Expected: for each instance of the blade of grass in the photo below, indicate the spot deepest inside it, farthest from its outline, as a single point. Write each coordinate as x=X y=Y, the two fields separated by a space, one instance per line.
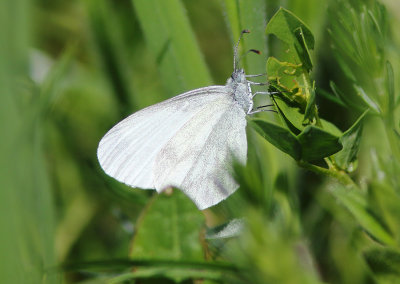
x=170 y=38
x=26 y=221
x=250 y=15
x=111 y=52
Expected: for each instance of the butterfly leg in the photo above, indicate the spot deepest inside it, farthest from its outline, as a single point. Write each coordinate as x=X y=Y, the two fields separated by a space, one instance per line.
x=263 y=93
x=256 y=83
x=262 y=108
x=256 y=75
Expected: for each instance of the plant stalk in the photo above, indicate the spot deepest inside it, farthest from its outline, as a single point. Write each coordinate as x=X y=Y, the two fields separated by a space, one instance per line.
x=339 y=175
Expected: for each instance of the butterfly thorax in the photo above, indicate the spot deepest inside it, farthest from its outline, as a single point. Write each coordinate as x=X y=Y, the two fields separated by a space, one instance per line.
x=241 y=90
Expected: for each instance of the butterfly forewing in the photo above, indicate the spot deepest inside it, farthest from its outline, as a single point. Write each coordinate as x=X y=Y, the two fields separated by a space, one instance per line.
x=128 y=151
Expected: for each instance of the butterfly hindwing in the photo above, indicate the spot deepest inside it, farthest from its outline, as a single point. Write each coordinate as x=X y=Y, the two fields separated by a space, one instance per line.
x=197 y=158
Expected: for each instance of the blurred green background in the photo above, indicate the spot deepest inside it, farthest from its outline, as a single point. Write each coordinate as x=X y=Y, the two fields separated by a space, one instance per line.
x=71 y=69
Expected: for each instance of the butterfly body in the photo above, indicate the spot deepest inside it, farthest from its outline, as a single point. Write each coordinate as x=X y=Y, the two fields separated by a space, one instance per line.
x=241 y=90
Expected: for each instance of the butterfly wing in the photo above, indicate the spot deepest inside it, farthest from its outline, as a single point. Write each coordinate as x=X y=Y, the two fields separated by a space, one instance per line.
x=128 y=151
x=197 y=158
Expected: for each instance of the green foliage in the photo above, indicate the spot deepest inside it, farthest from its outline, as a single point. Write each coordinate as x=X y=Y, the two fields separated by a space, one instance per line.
x=357 y=204
x=174 y=224
x=292 y=77
x=173 y=45
x=319 y=198
x=311 y=144
x=278 y=136
x=384 y=262
x=27 y=218
x=360 y=45
x=346 y=159
x=317 y=143
x=291 y=30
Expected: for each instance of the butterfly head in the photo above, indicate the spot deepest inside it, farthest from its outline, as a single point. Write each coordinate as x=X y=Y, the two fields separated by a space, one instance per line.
x=238 y=76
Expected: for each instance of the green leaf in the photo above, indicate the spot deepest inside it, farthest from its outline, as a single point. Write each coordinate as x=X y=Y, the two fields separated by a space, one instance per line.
x=373 y=106
x=384 y=262
x=347 y=71
x=163 y=274
x=284 y=25
x=352 y=101
x=309 y=113
x=302 y=49
x=317 y=143
x=332 y=97
x=351 y=143
x=290 y=115
x=286 y=78
x=383 y=196
x=180 y=272
x=297 y=84
x=169 y=229
x=330 y=127
x=278 y=136
x=356 y=203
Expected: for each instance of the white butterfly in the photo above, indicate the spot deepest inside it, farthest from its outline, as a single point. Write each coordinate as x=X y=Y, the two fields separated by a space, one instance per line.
x=187 y=142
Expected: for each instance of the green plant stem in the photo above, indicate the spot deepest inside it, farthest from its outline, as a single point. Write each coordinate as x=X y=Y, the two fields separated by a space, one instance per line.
x=332 y=171
x=341 y=176
x=318 y=121
x=394 y=140
x=308 y=89
x=307 y=80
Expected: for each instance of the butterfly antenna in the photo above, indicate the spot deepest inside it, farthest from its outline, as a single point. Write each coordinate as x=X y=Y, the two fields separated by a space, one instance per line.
x=247 y=52
x=235 y=51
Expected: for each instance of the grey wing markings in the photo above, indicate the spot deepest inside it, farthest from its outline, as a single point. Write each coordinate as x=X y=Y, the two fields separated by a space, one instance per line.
x=196 y=159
